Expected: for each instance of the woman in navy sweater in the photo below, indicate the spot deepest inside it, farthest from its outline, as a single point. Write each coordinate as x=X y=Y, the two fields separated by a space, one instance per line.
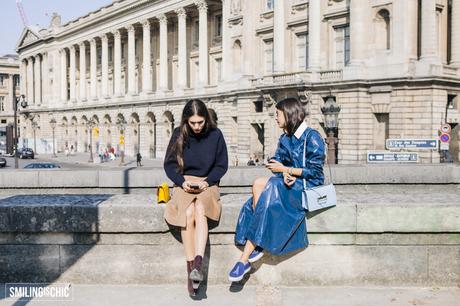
x=195 y=161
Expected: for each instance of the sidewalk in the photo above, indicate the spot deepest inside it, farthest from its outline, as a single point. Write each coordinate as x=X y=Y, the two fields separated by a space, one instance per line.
x=81 y=160
x=169 y=295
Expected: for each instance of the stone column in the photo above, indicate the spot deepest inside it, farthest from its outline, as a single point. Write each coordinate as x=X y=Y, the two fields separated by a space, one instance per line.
x=131 y=60
x=30 y=80
x=45 y=80
x=72 y=74
x=279 y=37
x=163 y=82
x=429 y=40
x=117 y=63
x=226 y=42
x=63 y=78
x=82 y=71
x=357 y=31
x=93 y=68
x=182 y=48
x=38 y=80
x=23 y=77
x=11 y=93
x=455 y=49
x=203 y=57
x=314 y=32
x=105 y=66
x=146 y=60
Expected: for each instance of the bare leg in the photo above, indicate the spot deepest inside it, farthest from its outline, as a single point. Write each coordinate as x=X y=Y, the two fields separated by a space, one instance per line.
x=248 y=248
x=201 y=230
x=188 y=233
x=257 y=188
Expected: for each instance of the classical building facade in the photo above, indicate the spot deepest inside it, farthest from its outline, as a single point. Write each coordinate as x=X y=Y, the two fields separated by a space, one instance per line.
x=393 y=66
x=9 y=74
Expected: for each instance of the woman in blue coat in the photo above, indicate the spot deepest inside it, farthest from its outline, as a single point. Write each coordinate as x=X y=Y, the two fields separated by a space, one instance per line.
x=273 y=219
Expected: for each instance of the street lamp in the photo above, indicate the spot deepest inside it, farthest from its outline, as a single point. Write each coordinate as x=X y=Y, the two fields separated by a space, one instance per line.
x=22 y=101
x=34 y=128
x=53 y=127
x=331 y=112
x=121 y=125
x=91 y=124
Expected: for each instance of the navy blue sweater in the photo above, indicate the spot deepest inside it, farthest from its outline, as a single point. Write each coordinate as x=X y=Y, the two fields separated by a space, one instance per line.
x=204 y=156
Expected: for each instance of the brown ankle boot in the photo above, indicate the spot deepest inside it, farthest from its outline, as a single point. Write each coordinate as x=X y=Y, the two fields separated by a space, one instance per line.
x=190 y=289
x=197 y=274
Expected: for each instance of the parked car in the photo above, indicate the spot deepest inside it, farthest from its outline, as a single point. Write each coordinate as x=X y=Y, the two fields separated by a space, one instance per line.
x=26 y=153
x=42 y=166
x=2 y=162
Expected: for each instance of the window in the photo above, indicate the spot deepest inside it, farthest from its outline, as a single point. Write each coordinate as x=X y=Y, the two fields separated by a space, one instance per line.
x=2 y=80
x=259 y=106
x=268 y=56
x=302 y=52
x=342 y=46
x=218 y=25
x=2 y=104
x=270 y=5
x=196 y=33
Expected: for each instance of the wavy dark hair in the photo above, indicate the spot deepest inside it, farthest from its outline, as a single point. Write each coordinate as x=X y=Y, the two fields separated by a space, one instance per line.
x=193 y=107
x=294 y=114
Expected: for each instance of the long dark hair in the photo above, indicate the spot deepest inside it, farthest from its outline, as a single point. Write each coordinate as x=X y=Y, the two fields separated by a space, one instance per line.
x=294 y=114
x=193 y=107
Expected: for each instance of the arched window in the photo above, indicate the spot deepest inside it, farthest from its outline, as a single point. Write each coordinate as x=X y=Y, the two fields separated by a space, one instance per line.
x=383 y=30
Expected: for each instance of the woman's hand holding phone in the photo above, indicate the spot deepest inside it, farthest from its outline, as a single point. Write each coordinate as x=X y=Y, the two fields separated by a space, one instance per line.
x=195 y=187
x=275 y=166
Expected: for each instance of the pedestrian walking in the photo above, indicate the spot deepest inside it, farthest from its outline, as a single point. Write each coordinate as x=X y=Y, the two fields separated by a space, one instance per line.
x=139 y=159
x=273 y=219
x=196 y=160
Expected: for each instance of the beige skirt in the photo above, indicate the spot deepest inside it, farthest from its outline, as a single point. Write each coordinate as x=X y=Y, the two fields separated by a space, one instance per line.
x=180 y=201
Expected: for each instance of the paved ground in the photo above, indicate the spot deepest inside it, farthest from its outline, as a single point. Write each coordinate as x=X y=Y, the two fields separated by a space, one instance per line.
x=170 y=295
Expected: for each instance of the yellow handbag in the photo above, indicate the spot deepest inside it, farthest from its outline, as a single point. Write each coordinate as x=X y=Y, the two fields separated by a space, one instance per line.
x=163 y=193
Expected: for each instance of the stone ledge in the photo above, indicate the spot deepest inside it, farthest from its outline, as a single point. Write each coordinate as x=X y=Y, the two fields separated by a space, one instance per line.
x=236 y=177
x=356 y=213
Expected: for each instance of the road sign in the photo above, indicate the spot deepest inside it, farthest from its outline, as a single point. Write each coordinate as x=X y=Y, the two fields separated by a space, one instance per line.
x=122 y=139
x=421 y=144
x=444 y=146
x=392 y=157
x=444 y=138
x=445 y=128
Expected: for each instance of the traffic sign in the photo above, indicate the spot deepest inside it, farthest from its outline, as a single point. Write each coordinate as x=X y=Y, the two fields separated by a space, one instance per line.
x=392 y=157
x=445 y=138
x=445 y=128
x=422 y=144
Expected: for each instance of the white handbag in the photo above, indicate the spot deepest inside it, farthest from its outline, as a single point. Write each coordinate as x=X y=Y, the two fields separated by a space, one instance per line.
x=319 y=197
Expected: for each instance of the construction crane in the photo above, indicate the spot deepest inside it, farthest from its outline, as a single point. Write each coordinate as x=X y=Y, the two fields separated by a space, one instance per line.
x=22 y=13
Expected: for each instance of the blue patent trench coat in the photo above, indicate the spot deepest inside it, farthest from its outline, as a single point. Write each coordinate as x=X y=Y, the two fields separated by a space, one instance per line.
x=278 y=223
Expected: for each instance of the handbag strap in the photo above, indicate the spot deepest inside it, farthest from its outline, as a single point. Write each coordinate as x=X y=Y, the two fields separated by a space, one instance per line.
x=303 y=160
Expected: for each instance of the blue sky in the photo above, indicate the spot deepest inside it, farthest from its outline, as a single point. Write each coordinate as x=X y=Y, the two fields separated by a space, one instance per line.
x=36 y=12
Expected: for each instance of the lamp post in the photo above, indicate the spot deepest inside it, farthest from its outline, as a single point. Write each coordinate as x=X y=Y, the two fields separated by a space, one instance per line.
x=53 y=127
x=22 y=101
x=34 y=128
x=121 y=125
x=91 y=124
x=331 y=112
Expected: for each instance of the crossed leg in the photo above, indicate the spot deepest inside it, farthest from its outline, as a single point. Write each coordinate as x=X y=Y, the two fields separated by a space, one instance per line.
x=257 y=188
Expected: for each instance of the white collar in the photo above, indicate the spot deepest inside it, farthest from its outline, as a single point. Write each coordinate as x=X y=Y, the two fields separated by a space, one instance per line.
x=299 y=132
